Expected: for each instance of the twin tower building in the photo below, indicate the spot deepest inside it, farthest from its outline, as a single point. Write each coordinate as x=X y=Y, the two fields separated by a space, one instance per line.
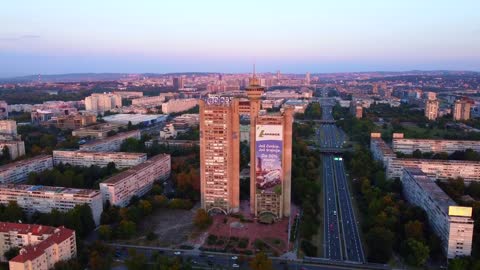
x=270 y=156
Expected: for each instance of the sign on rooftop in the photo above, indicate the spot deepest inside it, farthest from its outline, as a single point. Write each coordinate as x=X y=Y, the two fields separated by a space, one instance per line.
x=459 y=211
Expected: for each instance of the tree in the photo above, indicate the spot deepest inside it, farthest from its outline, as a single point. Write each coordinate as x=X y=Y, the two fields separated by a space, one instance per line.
x=13 y=212
x=100 y=257
x=458 y=264
x=380 y=243
x=105 y=232
x=71 y=264
x=261 y=262
x=202 y=220
x=415 y=252
x=11 y=253
x=126 y=229
x=414 y=230
x=135 y=261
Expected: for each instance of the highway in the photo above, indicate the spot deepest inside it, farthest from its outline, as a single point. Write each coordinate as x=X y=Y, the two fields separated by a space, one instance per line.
x=341 y=236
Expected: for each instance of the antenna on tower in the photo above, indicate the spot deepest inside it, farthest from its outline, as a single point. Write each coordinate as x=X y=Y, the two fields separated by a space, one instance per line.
x=254 y=70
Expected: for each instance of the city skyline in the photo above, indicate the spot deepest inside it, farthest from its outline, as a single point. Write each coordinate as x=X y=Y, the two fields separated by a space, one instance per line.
x=346 y=36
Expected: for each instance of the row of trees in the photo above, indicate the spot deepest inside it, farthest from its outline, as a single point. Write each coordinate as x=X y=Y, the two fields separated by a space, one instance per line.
x=73 y=176
x=389 y=222
x=468 y=154
x=306 y=185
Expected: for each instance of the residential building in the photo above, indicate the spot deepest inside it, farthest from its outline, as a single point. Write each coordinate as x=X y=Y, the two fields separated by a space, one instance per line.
x=74 y=121
x=44 y=199
x=168 y=132
x=103 y=102
x=451 y=223
x=461 y=110
x=220 y=154
x=17 y=172
x=110 y=144
x=8 y=127
x=431 y=109
x=136 y=181
x=102 y=159
x=438 y=169
x=98 y=131
x=149 y=101
x=16 y=148
x=408 y=146
x=129 y=94
x=178 y=83
x=179 y=105
x=3 y=109
x=40 y=246
x=136 y=119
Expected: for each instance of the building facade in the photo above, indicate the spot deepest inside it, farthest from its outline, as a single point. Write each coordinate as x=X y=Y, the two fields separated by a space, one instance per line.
x=431 y=109
x=179 y=105
x=452 y=223
x=40 y=246
x=44 y=199
x=219 y=154
x=110 y=144
x=17 y=172
x=149 y=101
x=408 y=146
x=103 y=102
x=8 y=127
x=136 y=181
x=102 y=159
x=74 y=121
x=461 y=110
x=16 y=148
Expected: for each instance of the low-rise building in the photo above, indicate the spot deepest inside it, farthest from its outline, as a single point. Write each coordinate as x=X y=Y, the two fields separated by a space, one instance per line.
x=40 y=246
x=18 y=171
x=137 y=181
x=452 y=223
x=102 y=159
x=8 y=127
x=44 y=199
x=99 y=131
x=110 y=144
x=168 y=132
x=16 y=148
x=408 y=146
x=74 y=121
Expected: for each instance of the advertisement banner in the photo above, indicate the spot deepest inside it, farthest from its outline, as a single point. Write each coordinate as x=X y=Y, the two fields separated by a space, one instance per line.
x=268 y=154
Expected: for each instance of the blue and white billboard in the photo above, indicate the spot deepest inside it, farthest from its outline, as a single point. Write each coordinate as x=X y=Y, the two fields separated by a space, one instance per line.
x=268 y=155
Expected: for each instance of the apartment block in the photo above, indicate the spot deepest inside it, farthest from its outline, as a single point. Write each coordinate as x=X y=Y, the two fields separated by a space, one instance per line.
x=431 y=109
x=8 y=127
x=149 y=101
x=461 y=110
x=452 y=223
x=103 y=102
x=40 y=246
x=98 y=131
x=136 y=181
x=110 y=144
x=408 y=146
x=179 y=105
x=17 y=172
x=438 y=169
x=16 y=148
x=102 y=159
x=220 y=154
x=44 y=199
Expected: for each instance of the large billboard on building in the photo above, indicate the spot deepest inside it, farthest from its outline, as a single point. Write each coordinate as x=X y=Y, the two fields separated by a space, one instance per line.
x=268 y=155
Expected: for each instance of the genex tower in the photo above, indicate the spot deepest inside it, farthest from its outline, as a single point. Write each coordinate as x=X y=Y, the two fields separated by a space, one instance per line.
x=270 y=158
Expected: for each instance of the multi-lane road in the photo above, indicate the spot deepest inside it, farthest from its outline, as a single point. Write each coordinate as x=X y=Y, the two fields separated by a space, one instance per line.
x=341 y=236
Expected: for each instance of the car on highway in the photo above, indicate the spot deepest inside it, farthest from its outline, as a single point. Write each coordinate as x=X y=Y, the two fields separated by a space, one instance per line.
x=177 y=253
x=234 y=257
x=334 y=212
x=235 y=265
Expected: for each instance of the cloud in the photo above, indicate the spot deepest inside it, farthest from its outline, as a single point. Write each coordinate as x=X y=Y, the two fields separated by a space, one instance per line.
x=18 y=38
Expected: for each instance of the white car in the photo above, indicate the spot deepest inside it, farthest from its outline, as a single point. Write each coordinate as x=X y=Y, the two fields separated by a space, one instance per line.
x=234 y=257
x=177 y=253
x=235 y=265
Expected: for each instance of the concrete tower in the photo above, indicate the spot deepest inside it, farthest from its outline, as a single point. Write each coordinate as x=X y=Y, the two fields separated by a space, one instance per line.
x=220 y=154
x=254 y=93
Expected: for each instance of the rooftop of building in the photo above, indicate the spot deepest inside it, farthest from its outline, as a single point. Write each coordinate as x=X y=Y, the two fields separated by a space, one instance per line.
x=112 y=138
x=134 y=118
x=75 y=192
x=118 y=154
x=101 y=127
x=119 y=177
x=24 y=162
x=21 y=228
x=30 y=253
x=431 y=188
